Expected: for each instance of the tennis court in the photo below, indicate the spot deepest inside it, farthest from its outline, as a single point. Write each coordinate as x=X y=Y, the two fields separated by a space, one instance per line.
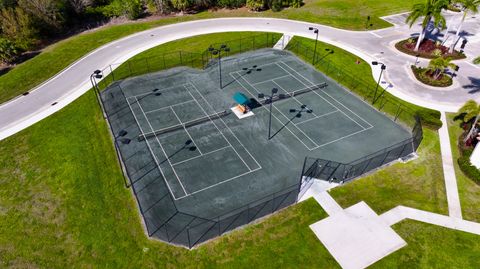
x=185 y=151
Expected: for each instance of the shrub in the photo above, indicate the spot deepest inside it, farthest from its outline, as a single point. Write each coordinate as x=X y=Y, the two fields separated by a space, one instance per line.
x=132 y=9
x=430 y=118
x=255 y=5
x=426 y=49
x=231 y=3
x=437 y=52
x=423 y=75
x=295 y=3
x=276 y=5
x=8 y=51
x=476 y=60
x=464 y=163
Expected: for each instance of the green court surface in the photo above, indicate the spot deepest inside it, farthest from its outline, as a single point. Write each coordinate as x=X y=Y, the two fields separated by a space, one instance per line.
x=185 y=151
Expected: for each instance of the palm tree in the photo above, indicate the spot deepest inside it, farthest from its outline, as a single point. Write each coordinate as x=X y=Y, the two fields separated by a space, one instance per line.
x=470 y=111
x=439 y=65
x=431 y=9
x=467 y=6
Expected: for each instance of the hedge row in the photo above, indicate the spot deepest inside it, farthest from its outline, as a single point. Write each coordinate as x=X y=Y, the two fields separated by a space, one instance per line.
x=464 y=163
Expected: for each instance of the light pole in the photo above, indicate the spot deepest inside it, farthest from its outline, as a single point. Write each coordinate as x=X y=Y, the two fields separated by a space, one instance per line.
x=270 y=100
x=97 y=74
x=218 y=51
x=315 y=31
x=382 y=68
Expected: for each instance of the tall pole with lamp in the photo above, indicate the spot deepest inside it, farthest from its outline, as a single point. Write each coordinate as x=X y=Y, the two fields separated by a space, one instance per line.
x=218 y=51
x=382 y=68
x=315 y=31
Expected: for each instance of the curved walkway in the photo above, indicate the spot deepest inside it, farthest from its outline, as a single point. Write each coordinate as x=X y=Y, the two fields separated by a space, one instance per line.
x=71 y=83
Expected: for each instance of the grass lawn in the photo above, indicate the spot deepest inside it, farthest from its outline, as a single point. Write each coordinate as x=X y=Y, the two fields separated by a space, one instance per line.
x=432 y=246
x=468 y=190
x=63 y=205
x=348 y=14
x=418 y=183
x=356 y=74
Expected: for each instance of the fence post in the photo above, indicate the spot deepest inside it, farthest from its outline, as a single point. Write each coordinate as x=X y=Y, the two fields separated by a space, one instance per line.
x=188 y=237
x=148 y=66
x=111 y=72
x=129 y=68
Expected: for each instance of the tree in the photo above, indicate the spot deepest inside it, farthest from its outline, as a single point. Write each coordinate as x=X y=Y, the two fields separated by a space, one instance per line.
x=181 y=5
x=431 y=9
x=45 y=12
x=470 y=110
x=439 y=65
x=467 y=6
x=17 y=27
x=79 y=6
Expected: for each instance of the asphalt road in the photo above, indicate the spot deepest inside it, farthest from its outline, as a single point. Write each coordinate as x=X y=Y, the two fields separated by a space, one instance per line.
x=72 y=82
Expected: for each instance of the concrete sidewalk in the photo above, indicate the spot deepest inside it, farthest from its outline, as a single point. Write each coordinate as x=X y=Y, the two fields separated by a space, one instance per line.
x=72 y=82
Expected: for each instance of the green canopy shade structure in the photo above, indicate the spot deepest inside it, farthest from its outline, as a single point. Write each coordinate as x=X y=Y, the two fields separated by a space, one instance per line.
x=241 y=99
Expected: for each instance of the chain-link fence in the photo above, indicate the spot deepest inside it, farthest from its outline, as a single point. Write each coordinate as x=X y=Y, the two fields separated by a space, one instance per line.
x=337 y=172
x=163 y=220
x=366 y=90
x=140 y=66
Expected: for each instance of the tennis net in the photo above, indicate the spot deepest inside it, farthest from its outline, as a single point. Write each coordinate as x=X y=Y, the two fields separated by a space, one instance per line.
x=283 y=96
x=187 y=124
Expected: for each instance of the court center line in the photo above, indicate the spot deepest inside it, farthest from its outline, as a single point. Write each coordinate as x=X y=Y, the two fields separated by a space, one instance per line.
x=240 y=142
x=296 y=99
x=309 y=81
x=287 y=118
x=271 y=80
x=160 y=90
x=274 y=116
x=163 y=150
x=151 y=151
x=317 y=117
x=218 y=128
x=320 y=95
x=230 y=179
x=170 y=106
x=210 y=152
x=185 y=128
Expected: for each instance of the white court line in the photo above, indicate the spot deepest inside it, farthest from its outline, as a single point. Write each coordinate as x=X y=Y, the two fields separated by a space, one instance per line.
x=236 y=72
x=170 y=106
x=159 y=90
x=298 y=101
x=327 y=95
x=370 y=125
x=258 y=164
x=317 y=117
x=318 y=146
x=271 y=80
x=230 y=179
x=248 y=167
x=163 y=150
x=185 y=128
x=151 y=151
x=210 y=152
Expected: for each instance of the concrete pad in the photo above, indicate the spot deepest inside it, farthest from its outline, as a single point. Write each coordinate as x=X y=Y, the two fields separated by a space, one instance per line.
x=357 y=237
x=240 y=114
x=317 y=187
